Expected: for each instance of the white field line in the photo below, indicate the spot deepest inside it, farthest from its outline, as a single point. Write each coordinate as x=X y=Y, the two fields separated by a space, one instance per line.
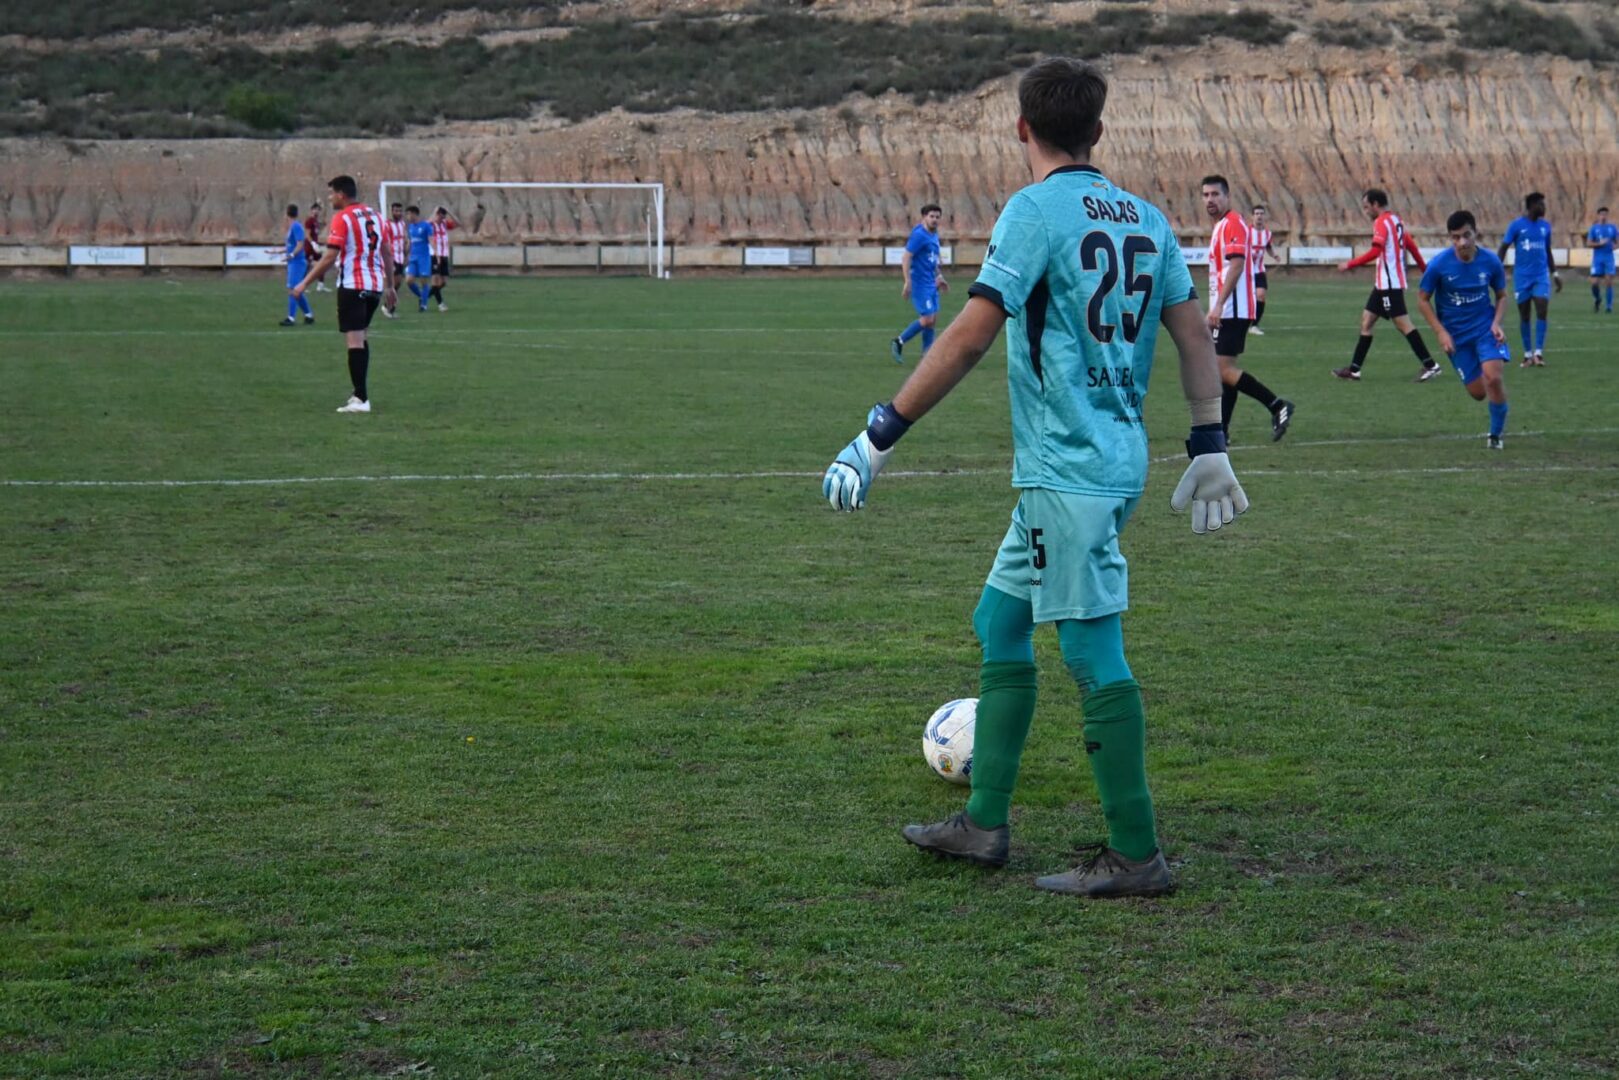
x=610 y=477
x=381 y=330
x=897 y=474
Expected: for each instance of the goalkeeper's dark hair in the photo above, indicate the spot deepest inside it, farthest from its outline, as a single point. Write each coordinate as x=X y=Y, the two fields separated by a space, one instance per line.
x=1061 y=100
x=1461 y=219
x=344 y=186
x=930 y=208
x=1532 y=198
x=1376 y=196
x=1216 y=180
x=414 y=209
x=292 y=209
x=1602 y=209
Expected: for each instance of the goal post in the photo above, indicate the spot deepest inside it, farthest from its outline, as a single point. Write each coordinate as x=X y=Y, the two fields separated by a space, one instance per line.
x=652 y=219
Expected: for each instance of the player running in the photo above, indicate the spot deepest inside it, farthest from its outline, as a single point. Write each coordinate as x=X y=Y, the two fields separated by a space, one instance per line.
x=1390 y=242
x=1467 y=324
x=1086 y=272
x=398 y=243
x=358 y=244
x=443 y=223
x=1232 y=306
x=1601 y=238
x=297 y=266
x=1534 y=272
x=920 y=281
x=419 y=249
x=1259 y=246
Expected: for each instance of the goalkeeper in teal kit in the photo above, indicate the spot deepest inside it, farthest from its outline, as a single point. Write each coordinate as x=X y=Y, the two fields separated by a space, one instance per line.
x=1085 y=273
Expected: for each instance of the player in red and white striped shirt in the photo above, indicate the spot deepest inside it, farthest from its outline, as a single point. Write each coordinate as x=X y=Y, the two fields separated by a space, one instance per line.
x=360 y=245
x=397 y=245
x=1390 y=243
x=1259 y=237
x=443 y=222
x=1231 y=307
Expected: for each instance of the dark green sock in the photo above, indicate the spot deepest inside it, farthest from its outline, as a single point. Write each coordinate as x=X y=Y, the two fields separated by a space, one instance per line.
x=1006 y=695
x=1116 y=740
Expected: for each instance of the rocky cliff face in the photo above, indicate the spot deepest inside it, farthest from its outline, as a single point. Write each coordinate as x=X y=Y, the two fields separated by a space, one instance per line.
x=1303 y=131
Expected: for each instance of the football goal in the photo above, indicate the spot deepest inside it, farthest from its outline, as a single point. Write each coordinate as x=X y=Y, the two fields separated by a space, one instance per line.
x=625 y=221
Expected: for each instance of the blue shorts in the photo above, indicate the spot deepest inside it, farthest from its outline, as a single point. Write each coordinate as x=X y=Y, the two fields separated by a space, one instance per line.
x=925 y=302
x=296 y=271
x=1061 y=554
x=1468 y=359
x=420 y=268
x=1536 y=288
x=1602 y=264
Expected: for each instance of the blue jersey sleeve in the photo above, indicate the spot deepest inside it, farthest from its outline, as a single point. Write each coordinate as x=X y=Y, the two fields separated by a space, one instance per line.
x=1430 y=277
x=1513 y=232
x=295 y=240
x=1498 y=275
x=1017 y=256
x=917 y=243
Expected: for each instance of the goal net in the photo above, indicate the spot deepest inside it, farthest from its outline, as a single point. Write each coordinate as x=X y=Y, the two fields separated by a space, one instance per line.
x=621 y=224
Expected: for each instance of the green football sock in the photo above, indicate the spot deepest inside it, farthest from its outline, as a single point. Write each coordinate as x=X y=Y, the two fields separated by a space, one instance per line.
x=1006 y=695
x=1116 y=741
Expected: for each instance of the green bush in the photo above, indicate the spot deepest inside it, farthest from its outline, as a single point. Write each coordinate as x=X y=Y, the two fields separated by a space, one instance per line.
x=1507 y=24
x=1354 y=34
x=260 y=109
x=779 y=60
x=77 y=19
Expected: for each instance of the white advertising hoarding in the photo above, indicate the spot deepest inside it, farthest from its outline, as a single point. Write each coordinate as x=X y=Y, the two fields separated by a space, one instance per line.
x=895 y=256
x=255 y=256
x=1319 y=256
x=106 y=256
x=777 y=256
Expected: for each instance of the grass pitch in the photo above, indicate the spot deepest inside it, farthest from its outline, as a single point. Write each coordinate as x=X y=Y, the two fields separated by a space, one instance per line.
x=587 y=750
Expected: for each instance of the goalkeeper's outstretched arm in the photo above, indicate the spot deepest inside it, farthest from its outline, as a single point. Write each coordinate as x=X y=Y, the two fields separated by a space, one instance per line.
x=847 y=480
x=958 y=350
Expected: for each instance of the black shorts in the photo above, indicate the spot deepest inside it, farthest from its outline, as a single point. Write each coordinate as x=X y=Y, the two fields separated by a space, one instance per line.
x=1232 y=337
x=355 y=308
x=441 y=266
x=1262 y=280
x=1386 y=303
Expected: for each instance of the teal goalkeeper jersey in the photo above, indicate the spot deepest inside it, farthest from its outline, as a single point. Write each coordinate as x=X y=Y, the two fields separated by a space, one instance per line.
x=1083 y=270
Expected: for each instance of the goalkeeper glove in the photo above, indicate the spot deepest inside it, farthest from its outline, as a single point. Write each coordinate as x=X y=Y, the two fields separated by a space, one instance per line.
x=1208 y=484
x=849 y=477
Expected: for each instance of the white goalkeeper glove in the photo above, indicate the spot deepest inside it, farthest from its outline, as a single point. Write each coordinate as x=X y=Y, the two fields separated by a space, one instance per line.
x=1208 y=484
x=848 y=479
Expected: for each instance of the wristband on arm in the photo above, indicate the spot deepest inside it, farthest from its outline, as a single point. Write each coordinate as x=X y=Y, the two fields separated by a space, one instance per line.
x=885 y=426
x=1205 y=439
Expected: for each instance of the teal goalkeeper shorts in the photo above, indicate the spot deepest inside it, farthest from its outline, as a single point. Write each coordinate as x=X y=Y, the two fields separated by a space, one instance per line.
x=1061 y=554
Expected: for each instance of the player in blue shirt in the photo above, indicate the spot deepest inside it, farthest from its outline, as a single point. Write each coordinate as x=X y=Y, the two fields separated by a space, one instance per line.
x=1601 y=238
x=919 y=269
x=297 y=267
x=1533 y=273
x=418 y=256
x=1468 y=323
x=1083 y=273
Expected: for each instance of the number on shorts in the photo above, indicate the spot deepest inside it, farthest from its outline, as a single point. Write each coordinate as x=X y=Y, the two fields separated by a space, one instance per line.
x=1039 y=548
